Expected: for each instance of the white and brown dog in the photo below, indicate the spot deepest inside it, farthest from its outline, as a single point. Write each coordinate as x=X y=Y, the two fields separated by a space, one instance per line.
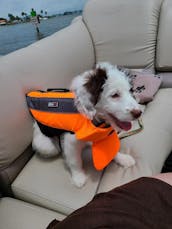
x=103 y=93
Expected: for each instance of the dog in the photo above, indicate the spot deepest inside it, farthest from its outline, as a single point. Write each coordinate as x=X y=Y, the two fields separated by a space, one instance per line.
x=103 y=93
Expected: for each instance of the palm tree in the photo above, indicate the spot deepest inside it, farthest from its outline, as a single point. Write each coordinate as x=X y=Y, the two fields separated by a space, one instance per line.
x=11 y=17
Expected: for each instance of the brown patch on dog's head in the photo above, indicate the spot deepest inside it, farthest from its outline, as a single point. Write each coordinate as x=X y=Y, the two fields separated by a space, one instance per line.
x=95 y=84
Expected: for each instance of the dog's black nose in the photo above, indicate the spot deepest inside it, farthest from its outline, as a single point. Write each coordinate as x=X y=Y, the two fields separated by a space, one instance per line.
x=136 y=113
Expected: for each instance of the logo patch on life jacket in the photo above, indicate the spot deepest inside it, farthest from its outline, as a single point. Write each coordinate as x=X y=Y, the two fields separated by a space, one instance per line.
x=53 y=104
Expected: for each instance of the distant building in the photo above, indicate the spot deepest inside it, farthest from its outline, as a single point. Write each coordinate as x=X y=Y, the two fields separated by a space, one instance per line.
x=3 y=21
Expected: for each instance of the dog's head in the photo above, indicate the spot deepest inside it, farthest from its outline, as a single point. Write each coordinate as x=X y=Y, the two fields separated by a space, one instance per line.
x=105 y=92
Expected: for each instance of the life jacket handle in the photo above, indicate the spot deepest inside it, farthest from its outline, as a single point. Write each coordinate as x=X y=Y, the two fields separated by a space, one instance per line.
x=58 y=90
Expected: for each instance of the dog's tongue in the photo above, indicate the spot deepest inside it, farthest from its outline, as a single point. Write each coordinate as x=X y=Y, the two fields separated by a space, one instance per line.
x=123 y=125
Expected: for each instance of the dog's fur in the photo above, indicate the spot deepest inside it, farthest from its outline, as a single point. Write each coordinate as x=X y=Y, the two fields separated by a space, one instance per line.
x=101 y=93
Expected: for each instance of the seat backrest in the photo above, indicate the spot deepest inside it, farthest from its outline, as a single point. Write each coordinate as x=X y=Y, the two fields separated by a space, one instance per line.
x=164 y=44
x=124 y=32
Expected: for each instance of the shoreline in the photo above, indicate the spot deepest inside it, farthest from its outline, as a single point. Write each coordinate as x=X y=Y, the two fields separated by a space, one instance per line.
x=27 y=20
x=20 y=35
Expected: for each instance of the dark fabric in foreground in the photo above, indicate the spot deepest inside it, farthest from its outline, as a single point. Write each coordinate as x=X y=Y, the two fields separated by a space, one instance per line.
x=145 y=203
x=168 y=164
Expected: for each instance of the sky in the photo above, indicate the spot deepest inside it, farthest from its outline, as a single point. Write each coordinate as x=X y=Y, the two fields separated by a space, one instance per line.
x=15 y=7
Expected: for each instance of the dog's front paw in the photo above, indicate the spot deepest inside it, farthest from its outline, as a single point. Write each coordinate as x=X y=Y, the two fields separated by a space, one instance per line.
x=124 y=160
x=79 y=179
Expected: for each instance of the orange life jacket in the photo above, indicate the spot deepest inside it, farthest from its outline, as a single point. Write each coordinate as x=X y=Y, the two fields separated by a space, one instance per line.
x=57 y=110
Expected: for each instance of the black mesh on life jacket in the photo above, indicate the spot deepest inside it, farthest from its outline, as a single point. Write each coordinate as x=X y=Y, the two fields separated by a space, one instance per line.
x=50 y=131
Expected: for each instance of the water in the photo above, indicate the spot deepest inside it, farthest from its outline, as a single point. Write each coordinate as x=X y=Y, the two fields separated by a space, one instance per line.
x=13 y=37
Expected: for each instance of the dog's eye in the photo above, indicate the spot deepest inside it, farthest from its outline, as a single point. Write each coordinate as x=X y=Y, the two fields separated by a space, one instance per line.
x=115 y=95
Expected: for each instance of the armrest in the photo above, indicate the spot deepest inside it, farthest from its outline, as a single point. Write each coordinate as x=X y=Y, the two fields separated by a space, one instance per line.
x=166 y=79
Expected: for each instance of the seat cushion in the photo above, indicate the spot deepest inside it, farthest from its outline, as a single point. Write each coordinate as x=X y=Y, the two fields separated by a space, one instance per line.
x=150 y=147
x=15 y=214
x=48 y=183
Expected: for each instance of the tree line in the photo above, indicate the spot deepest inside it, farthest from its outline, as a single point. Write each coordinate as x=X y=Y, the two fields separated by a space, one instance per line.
x=25 y=16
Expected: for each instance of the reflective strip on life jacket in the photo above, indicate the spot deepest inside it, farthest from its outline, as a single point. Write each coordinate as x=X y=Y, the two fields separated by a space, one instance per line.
x=61 y=105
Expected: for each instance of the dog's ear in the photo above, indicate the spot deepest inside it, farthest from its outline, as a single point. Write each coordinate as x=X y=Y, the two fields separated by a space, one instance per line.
x=94 y=84
x=87 y=88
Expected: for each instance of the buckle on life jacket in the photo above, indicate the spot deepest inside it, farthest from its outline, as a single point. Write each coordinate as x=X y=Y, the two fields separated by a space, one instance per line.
x=100 y=123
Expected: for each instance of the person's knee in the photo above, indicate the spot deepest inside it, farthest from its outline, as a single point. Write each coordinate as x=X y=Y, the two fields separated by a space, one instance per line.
x=166 y=177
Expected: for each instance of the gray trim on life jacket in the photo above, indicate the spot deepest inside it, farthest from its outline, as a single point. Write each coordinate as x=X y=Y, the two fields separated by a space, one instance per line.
x=59 y=105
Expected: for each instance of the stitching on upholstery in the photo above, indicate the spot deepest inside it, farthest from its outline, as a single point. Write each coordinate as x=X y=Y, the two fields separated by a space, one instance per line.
x=43 y=197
